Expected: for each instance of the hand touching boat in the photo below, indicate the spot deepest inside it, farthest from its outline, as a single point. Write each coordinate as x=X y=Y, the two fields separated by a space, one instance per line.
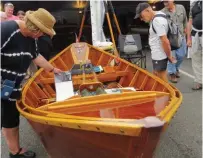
x=43 y=63
x=56 y=70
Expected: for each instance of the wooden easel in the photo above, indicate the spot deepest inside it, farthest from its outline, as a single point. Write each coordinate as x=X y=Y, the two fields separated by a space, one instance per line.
x=109 y=24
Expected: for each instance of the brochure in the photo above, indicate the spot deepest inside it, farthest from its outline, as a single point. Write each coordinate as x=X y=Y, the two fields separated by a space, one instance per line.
x=63 y=85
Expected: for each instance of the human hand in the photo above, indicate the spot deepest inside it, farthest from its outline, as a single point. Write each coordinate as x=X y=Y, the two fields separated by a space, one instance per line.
x=189 y=42
x=172 y=60
x=56 y=71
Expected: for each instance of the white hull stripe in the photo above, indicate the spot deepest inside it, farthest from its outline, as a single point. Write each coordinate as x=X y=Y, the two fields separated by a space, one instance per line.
x=16 y=54
x=10 y=38
x=13 y=72
x=19 y=89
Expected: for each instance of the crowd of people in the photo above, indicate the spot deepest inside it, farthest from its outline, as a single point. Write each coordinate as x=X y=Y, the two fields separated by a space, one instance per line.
x=8 y=13
x=167 y=62
x=26 y=38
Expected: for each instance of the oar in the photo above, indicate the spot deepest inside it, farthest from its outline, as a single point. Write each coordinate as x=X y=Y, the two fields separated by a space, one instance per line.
x=110 y=28
x=83 y=21
x=115 y=18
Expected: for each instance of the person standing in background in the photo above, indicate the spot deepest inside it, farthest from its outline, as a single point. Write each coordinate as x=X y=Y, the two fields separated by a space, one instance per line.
x=9 y=8
x=178 y=15
x=194 y=40
x=159 y=43
x=21 y=14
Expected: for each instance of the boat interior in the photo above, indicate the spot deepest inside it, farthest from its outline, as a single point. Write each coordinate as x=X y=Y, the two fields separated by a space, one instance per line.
x=91 y=98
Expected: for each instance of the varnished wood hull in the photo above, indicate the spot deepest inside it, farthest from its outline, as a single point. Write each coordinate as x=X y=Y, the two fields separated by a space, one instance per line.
x=71 y=143
x=109 y=125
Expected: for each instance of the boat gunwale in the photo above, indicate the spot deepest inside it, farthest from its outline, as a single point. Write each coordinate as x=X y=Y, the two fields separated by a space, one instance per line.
x=126 y=127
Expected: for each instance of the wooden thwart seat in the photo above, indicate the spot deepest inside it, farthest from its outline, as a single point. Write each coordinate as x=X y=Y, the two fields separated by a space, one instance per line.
x=102 y=77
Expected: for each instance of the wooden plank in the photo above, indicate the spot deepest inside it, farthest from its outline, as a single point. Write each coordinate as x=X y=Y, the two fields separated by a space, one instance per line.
x=38 y=90
x=101 y=77
x=28 y=102
x=123 y=78
x=104 y=77
x=87 y=53
x=110 y=60
x=154 y=86
x=94 y=107
x=100 y=59
x=48 y=88
x=67 y=59
x=144 y=82
x=117 y=112
x=32 y=98
x=134 y=79
x=63 y=64
x=74 y=57
x=43 y=87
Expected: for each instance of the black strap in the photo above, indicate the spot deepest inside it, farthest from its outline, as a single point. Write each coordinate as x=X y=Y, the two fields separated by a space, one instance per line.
x=158 y=15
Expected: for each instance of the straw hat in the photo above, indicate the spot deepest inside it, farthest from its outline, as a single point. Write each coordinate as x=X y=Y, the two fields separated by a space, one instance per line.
x=43 y=20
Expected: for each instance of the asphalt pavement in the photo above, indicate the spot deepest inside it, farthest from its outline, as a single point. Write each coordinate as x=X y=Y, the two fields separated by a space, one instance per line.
x=182 y=139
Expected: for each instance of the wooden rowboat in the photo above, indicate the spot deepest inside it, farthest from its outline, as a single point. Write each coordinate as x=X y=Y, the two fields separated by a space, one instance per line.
x=122 y=125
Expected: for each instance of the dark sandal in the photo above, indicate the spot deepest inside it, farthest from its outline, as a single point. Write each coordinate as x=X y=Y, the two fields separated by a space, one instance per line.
x=197 y=87
x=27 y=154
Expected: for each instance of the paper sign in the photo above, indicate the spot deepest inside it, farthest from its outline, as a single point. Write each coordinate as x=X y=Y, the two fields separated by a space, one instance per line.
x=63 y=85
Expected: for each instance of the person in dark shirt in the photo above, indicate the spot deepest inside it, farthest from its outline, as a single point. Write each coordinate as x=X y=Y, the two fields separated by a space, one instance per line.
x=45 y=47
x=194 y=40
x=18 y=49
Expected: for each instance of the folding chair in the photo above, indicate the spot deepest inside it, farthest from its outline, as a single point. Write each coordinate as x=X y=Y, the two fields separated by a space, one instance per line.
x=130 y=48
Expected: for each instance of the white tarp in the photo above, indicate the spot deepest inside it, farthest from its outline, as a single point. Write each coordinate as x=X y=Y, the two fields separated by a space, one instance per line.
x=97 y=19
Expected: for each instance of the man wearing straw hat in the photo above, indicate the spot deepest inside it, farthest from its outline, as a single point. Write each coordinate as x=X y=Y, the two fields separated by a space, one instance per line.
x=18 y=49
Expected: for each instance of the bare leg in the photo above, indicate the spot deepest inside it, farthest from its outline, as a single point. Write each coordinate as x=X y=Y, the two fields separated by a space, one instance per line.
x=162 y=75
x=12 y=138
